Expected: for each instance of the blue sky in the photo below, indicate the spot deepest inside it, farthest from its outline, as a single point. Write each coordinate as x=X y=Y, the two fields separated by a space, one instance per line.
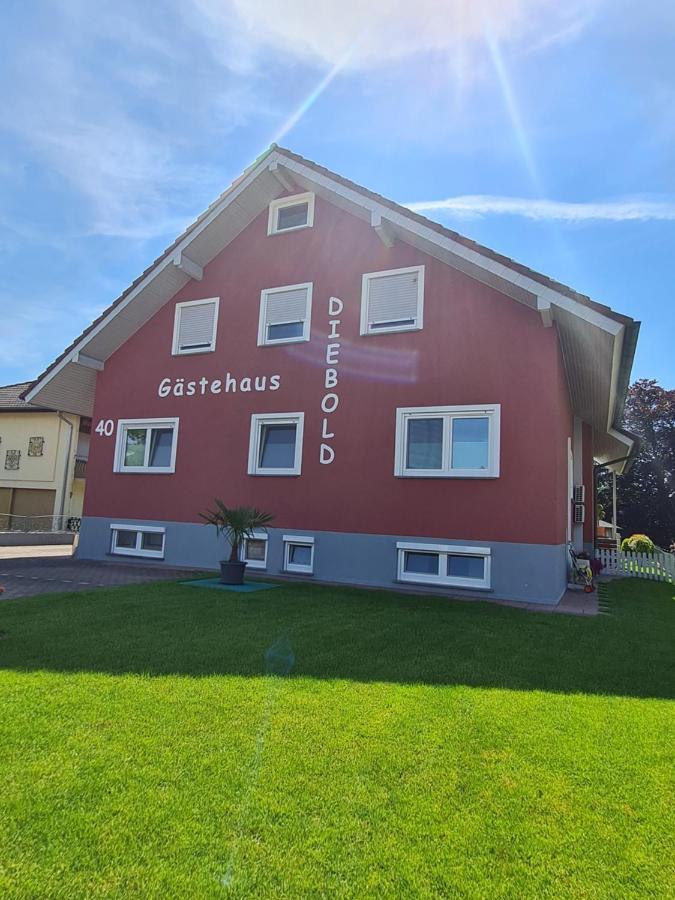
x=544 y=130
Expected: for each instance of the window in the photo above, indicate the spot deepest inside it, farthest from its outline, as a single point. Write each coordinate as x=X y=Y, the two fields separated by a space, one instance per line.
x=127 y=540
x=194 y=326
x=254 y=551
x=298 y=554
x=285 y=314
x=275 y=446
x=291 y=213
x=146 y=445
x=392 y=300
x=448 y=442
x=443 y=564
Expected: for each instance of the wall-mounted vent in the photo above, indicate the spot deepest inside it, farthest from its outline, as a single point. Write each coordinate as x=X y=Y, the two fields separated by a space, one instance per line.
x=580 y=493
x=579 y=513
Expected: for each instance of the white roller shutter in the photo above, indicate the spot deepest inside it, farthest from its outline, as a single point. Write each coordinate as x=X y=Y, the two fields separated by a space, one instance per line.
x=195 y=326
x=286 y=306
x=285 y=314
x=393 y=299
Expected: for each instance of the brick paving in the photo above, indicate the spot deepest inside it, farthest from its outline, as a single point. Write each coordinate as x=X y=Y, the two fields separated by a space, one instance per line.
x=27 y=576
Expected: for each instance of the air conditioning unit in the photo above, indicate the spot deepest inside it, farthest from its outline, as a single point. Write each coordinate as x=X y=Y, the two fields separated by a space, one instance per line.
x=580 y=493
x=579 y=513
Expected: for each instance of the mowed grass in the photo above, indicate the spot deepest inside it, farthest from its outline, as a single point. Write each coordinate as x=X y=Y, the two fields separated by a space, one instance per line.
x=171 y=741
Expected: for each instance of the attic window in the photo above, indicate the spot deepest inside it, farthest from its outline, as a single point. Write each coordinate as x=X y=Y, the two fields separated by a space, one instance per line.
x=291 y=213
x=392 y=300
x=285 y=314
x=195 y=325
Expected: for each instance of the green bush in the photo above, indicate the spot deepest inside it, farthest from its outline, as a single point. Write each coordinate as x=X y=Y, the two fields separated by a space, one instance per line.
x=638 y=543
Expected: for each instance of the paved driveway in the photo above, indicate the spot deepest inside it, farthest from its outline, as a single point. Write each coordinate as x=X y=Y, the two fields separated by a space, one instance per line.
x=26 y=576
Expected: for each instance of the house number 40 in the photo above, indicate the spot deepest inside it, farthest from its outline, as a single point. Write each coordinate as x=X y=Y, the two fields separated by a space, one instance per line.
x=105 y=427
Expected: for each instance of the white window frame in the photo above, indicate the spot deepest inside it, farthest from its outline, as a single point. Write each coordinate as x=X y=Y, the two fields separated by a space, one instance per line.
x=175 y=349
x=443 y=551
x=262 y=325
x=365 y=289
x=124 y=425
x=138 y=549
x=405 y=414
x=254 y=563
x=304 y=540
x=260 y=419
x=281 y=203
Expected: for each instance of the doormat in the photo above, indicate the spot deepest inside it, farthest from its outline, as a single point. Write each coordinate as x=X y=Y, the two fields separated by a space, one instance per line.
x=246 y=588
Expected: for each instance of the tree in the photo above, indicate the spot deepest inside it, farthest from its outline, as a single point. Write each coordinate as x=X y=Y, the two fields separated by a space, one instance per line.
x=646 y=493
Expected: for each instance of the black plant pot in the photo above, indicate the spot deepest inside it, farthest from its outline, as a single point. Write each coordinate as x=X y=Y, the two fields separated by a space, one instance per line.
x=232 y=572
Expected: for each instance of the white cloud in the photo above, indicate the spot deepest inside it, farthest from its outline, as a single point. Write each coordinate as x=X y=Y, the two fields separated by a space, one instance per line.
x=124 y=109
x=632 y=210
x=117 y=114
x=382 y=31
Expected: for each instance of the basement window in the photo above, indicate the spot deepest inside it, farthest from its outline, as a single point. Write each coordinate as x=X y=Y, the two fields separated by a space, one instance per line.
x=285 y=314
x=146 y=446
x=291 y=213
x=254 y=551
x=298 y=554
x=194 y=327
x=392 y=300
x=127 y=540
x=467 y=567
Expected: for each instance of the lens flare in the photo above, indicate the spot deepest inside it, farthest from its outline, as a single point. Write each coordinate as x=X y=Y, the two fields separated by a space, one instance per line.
x=314 y=95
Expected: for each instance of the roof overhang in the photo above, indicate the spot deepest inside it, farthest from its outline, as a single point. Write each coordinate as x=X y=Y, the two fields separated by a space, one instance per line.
x=597 y=343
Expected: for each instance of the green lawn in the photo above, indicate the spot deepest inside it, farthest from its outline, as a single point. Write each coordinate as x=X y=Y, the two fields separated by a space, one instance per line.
x=416 y=747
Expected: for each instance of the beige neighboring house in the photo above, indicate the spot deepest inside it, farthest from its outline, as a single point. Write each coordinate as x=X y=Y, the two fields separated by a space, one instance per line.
x=43 y=460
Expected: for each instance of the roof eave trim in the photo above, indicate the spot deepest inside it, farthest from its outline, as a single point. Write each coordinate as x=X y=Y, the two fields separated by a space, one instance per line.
x=546 y=295
x=167 y=259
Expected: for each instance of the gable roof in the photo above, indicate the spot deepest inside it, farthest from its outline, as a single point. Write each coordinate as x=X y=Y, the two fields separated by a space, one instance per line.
x=598 y=343
x=11 y=398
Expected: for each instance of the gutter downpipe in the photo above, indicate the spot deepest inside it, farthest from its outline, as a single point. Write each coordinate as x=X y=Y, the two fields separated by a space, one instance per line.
x=66 y=467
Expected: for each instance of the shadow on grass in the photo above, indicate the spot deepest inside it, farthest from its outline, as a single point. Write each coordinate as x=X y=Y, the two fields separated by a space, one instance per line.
x=163 y=629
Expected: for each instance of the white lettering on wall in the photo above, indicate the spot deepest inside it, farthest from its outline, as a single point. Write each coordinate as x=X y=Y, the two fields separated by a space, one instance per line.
x=330 y=400
x=327 y=455
x=105 y=427
x=178 y=387
x=332 y=351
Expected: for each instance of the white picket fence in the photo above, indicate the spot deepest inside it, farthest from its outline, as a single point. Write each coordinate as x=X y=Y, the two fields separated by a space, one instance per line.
x=658 y=566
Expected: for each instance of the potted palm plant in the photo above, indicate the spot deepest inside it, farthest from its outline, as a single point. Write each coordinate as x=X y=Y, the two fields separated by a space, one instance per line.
x=237 y=523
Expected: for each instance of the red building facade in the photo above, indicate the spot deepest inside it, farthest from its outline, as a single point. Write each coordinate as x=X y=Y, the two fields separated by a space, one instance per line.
x=404 y=419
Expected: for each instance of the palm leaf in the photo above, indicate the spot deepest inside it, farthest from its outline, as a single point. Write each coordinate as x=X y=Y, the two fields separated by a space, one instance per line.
x=237 y=522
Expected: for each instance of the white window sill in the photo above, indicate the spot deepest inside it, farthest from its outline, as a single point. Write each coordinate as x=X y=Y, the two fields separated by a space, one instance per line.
x=281 y=341
x=193 y=352
x=148 y=471
x=145 y=554
x=287 y=230
x=463 y=473
x=377 y=331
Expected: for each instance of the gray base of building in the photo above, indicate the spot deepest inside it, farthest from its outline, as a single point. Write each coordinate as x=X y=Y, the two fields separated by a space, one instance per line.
x=527 y=573
x=35 y=538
